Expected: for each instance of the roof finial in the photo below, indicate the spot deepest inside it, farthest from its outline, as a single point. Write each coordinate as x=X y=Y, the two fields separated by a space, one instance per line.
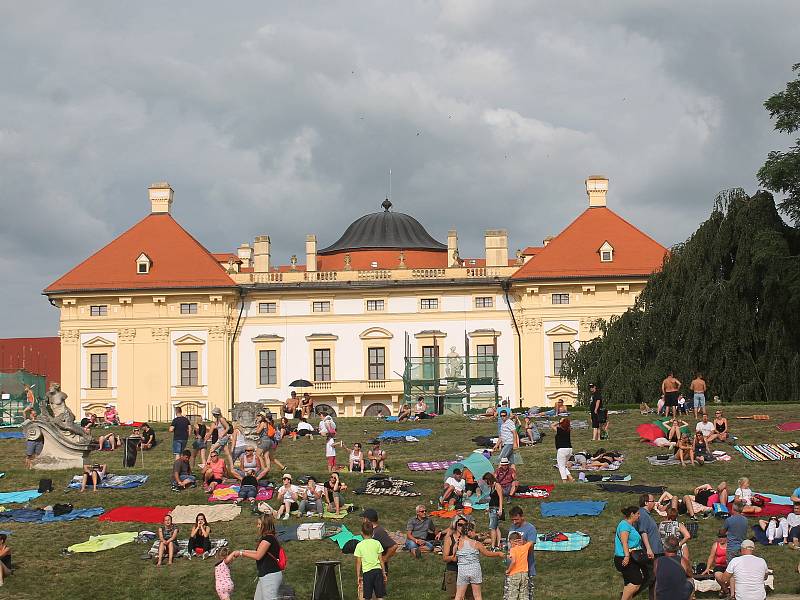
x=386 y=204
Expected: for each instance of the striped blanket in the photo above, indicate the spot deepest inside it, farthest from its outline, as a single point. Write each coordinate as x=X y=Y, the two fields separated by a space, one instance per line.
x=764 y=452
x=433 y=465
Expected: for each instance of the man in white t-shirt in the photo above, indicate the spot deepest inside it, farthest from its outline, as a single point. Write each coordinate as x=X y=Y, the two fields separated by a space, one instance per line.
x=454 y=487
x=748 y=572
x=508 y=439
x=707 y=428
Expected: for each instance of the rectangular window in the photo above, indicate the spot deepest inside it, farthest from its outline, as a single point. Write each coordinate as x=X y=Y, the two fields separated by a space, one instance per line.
x=267 y=307
x=189 y=368
x=99 y=370
x=429 y=303
x=373 y=305
x=322 y=364
x=188 y=308
x=605 y=256
x=321 y=306
x=485 y=360
x=430 y=354
x=377 y=363
x=484 y=302
x=268 y=367
x=560 y=298
x=560 y=350
x=100 y=310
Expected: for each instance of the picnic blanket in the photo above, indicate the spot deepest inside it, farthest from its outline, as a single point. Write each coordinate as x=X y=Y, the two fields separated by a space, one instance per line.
x=433 y=465
x=766 y=452
x=631 y=489
x=533 y=491
x=136 y=514
x=709 y=584
x=98 y=543
x=611 y=467
x=449 y=514
x=790 y=426
x=11 y=435
x=18 y=497
x=231 y=492
x=572 y=508
x=187 y=513
x=38 y=515
x=183 y=548
x=776 y=499
x=111 y=481
x=593 y=478
x=341 y=538
x=576 y=540
x=343 y=512
x=395 y=433
x=387 y=487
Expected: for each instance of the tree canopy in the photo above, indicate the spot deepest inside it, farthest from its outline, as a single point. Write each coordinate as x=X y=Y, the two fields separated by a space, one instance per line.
x=725 y=304
x=781 y=171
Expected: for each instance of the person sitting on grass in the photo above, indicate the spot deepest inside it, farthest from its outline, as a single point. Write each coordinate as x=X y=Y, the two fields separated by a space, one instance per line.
x=305 y=429
x=93 y=473
x=745 y=495
x=787 y=527
x=250 y=463
x=674 y=432
x=356 y=459
x=182 y=477
x=5 y=558
x=717 y=561
x=404 y=414
x=370 y=565
x=311 y=499
x=333 y=489
x=167 y=540
x=110 y=416
x=214 y=472
x=701 y=452
x=506 y=475
x=377 y=456
x=420 y=532
x=721 y=426
x=706 y=429
x=109 y=442
x=454 y=489
x=288 y=494
x=200 y=537
x=685 y=450
x=148 y=437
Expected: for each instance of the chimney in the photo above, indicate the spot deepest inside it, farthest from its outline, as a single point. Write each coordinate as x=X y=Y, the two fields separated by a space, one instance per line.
x=261 y=254
x=496 y=243
x=160 y=197
x=547 y=240
x=311 y=253
x=245 y=254
x=452 y=248
x=596 y=188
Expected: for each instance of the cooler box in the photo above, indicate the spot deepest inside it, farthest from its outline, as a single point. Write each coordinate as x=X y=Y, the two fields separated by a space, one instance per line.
x=310 y=531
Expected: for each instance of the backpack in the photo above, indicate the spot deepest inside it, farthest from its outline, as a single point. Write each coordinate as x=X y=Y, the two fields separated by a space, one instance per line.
x=271 y=430
x=62 y=509
x=281 y=560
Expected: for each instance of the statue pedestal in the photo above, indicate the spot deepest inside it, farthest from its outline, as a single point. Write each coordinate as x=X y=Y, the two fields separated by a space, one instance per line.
x=59 y=451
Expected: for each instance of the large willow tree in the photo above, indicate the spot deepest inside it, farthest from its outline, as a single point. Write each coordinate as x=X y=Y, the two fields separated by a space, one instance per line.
x=726 y=303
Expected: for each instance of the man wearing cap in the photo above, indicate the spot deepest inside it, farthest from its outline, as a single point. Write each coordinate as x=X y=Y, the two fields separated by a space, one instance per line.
x=506 y=476
x=674 y=580
x=379 y=533
x=290 y=407
x=179 y=427
x=748 y=573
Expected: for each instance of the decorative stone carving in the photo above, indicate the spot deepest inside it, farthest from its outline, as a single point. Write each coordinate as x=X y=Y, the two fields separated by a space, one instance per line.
x=348 y=262
x=244 y=415
x=160 y=334
x=69 y=336
x=455 y=364
x=532 y=324
x=126 y=335
x=402 y=264
x=293 y=262
x=217 y=332
x=66 y=445
x=520 y=259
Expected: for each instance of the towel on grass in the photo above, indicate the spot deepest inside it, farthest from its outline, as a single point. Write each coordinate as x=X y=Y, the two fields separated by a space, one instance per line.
x=592 y=478
x=766 y=452
x=576 y=540
x=394 y=487
x=38 y=515
x=187 y=513
x=136 y=514
x=663 y=462
x=768 y=510
x=183 y=548
x=791 y=426
x=433 y=465
x=632 y=489
x=533 y=491
x=343 y=512
x=709 y=584
x=11 y=435
x=98 y=543
x=231 y=492
x=775 y=499
x=394 y=433
x=20 y=497
x=572 y=508
x=111 y=481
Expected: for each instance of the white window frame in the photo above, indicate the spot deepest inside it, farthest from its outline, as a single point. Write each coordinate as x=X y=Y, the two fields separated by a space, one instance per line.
x=98 y=310
x=191 y=308
x=266 y=304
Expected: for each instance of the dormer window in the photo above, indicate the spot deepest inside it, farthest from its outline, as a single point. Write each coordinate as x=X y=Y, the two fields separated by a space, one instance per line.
x=143 y=264
x=606 y=252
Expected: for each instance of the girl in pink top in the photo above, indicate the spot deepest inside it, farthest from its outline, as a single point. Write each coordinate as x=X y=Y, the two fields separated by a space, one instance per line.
x=222 y=575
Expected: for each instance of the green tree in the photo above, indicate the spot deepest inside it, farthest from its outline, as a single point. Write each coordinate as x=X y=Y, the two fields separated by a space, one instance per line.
x=781 y=171
x=725 y=304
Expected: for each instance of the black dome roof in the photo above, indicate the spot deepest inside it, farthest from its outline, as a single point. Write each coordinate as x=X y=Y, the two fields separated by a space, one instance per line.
x=385 y=230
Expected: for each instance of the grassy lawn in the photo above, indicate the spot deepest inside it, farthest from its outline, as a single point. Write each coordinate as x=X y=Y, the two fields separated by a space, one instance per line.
x=122 y=573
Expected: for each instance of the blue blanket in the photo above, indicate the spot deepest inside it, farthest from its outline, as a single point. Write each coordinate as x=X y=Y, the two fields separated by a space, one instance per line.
x=775 y=499
x=11 y=435
x=37 y=515
x=116 y=482
x=572 y=508
x=18 y=497
x=576 y=540
x=393 y=433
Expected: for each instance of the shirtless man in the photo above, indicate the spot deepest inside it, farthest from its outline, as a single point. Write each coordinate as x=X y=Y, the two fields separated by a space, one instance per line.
x=290 y=406
x=698 y=388
x=670 y=387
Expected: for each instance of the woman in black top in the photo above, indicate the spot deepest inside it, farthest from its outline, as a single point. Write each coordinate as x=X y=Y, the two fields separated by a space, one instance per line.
x=563 y=447
x=200 y=538
x=495 y=508
x=200 y=432
x=267 y=557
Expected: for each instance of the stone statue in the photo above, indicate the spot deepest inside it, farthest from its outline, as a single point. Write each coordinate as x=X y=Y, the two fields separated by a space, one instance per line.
x=293 y=262
x=245 y=415
x=402 y=264
x=455 y=364
x=457 y=262
x=63 y=417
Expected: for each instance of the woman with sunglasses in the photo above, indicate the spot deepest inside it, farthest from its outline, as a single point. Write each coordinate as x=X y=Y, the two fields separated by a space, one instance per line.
x=333 y=492
x=721 y=425
x=214 y=472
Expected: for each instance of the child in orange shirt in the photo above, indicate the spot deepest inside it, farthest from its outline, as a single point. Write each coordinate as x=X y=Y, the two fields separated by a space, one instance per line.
x=517 y=571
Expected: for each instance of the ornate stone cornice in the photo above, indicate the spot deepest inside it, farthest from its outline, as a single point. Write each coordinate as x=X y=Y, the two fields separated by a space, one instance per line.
x=218 y=332
x=160 y=334
x=69 y=336
x=126 y=335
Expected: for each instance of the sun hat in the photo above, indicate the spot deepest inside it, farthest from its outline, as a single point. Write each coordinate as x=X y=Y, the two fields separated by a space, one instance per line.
x=748 y=544
x=109 y=406
x=504 y=461
x=216 y=411
x=286 y=476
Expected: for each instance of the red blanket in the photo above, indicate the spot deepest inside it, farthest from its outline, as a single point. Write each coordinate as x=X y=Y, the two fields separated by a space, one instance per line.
x=792 y=426
x=136 y=514
x=770 y=509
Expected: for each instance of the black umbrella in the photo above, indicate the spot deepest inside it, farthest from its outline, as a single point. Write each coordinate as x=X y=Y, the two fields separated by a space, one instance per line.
x=301 y=383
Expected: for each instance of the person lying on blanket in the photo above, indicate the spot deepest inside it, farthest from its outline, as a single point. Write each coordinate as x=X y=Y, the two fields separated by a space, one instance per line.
x=601 y=459
x=686 y=505
x=787 y=527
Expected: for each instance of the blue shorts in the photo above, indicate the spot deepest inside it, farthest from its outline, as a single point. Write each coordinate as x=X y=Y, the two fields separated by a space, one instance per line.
x=494 y=517
x=699 y=400
x=248 y=491
x=178 y=446
x=34 y=448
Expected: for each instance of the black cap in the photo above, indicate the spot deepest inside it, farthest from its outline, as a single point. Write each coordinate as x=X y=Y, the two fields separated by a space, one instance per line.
x=370 y=514
x=591 y=385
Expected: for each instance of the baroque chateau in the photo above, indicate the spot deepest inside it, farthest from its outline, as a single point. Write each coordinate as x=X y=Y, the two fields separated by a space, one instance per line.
x=378 y=317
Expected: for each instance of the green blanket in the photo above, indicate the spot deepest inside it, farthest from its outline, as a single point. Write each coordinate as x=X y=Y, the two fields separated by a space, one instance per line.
x=343 y=512
x=344 y=536
x=98 y=543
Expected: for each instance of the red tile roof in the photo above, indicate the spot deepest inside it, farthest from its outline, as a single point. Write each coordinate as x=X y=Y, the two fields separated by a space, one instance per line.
x=178 y=261
x=575 y=251
x=225 y=257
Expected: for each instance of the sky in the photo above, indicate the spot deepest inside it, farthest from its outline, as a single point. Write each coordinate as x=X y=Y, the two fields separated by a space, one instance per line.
x=285 y=118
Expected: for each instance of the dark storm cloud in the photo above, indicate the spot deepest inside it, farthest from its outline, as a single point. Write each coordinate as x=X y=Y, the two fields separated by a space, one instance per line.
x=285 y=119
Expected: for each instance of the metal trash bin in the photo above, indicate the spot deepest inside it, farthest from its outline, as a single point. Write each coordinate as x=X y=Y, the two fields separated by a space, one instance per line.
x=130 y=451
x=328 y=580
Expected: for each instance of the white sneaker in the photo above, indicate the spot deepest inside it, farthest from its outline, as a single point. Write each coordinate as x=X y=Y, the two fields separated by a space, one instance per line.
x=286 y=517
